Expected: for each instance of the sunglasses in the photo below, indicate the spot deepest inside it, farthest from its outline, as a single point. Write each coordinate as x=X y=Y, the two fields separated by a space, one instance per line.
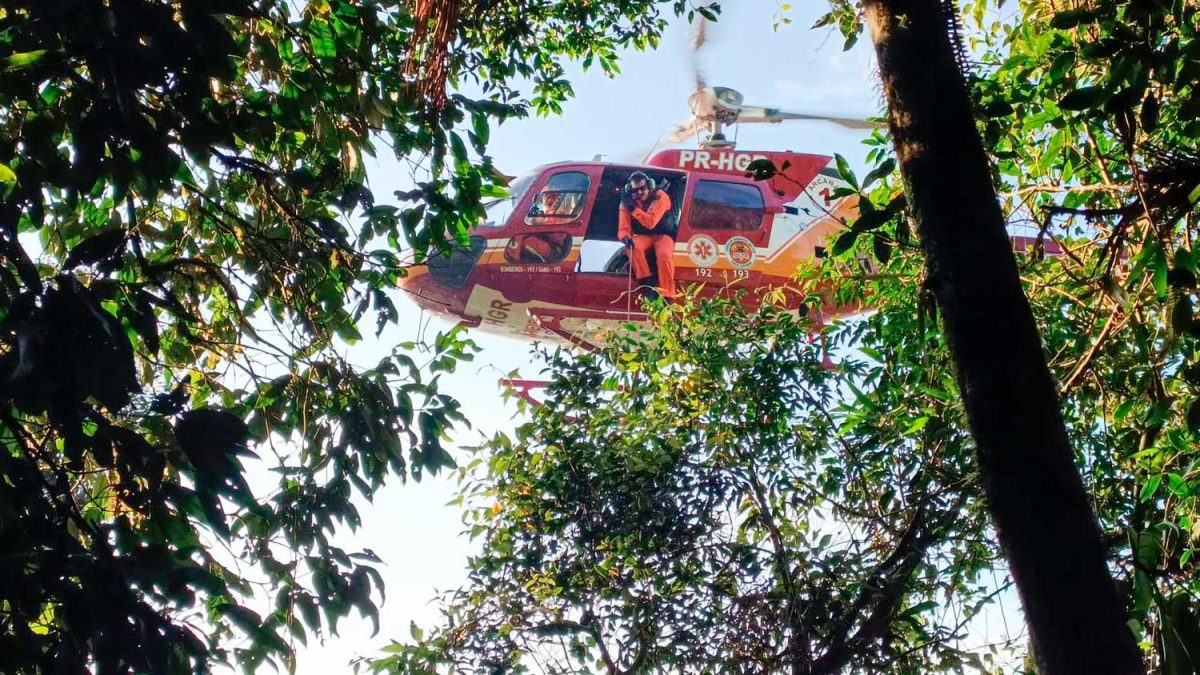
x=642 y=188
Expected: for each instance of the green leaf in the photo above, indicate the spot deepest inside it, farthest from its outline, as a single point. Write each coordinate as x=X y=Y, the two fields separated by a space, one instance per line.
x=1181 y=314
x=23 y=60
x=462 y=164
x=320 y=36
x=1193 y=417
x=8 y=181
x=882 y=249
x=308 y=610
x=1193 y=196
x=245 y=619
x=479 y=123
x=96 y=248
x=916 y=426
x=1158 y=269
x=844 y=171
x=1180 y=637
x=871 y=220
x=882 y=171
x=919 y=608
x=845 y=242
x=1150 y=488
x=997 y=108
x=1084 y=98
x=1073 y=17
x=1147 y=549
x=495 y=191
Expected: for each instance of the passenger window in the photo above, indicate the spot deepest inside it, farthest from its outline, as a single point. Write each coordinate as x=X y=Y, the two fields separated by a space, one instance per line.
x=717 y=205
x=561 y=199
x=542 y=247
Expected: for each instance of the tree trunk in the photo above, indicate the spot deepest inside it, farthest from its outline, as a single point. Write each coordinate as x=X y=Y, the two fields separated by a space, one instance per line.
x=1033 y=488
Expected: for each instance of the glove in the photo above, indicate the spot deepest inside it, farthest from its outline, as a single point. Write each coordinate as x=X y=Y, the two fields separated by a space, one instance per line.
x=628 y=241
x=627 y=201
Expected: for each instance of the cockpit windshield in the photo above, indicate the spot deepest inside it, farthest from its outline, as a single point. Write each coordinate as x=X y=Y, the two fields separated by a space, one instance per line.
x=499 y=210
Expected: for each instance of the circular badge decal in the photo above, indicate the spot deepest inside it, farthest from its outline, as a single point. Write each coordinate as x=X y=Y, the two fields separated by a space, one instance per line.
x=703 y=250
x=740 y=251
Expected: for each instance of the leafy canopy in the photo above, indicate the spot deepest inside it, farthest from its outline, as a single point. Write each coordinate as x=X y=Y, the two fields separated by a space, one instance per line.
x=715 y=499
x=187 y=244
x=1091 y=112
x=628 y=503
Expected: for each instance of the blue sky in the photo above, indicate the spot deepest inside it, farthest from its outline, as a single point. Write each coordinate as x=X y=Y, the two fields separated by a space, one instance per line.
x=794 y=68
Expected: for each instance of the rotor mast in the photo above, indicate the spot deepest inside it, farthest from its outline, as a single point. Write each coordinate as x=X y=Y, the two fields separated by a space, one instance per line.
x=717 y=139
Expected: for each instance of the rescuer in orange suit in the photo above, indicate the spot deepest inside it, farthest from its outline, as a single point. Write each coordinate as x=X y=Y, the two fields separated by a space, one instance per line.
x=644 y=222
x=540 y=247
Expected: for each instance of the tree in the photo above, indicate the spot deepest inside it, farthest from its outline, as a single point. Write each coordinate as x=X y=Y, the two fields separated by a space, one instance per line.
x=702 y=502
x=1090 y=115
x=1035 y=494
x=1072 y=103
x=188 y=242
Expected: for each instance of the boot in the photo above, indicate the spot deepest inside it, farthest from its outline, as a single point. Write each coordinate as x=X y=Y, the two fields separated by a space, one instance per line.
x=651 y=295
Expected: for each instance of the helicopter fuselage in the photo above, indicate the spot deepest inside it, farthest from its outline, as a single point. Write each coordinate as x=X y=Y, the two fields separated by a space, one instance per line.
x=546 y=263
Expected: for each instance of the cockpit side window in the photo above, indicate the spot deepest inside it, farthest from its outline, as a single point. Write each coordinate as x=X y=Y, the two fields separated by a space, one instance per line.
x=561 y=200
x=499 y=211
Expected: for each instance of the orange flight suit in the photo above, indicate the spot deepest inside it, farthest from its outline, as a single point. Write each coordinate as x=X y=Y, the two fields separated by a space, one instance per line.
x=540 y=247
x=663 y=244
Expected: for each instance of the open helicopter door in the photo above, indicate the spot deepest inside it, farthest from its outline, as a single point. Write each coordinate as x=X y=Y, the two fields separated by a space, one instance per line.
x=601 y=253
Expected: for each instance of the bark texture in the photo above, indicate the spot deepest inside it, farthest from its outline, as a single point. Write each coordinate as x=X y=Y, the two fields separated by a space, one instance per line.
x=1034 y=491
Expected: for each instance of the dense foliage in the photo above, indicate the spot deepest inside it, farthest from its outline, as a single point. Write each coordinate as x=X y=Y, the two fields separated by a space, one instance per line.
x=718 y=500
x=1091 y=112
x=187 y=243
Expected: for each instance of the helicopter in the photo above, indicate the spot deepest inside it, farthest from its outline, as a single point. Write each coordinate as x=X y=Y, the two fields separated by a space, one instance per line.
x=546 y=263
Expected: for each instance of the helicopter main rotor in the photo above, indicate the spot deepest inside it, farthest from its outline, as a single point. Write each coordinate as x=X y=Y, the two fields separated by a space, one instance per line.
x=714 y=108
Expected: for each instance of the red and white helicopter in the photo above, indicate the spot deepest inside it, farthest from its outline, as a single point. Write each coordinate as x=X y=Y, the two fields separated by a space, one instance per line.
x=546 y=263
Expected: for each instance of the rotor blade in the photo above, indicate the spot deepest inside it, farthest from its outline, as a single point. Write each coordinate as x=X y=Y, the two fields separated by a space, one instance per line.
x=703 y=103
x=688 y=129
x=847 y=122
x=697 y=44
x=755 y=114
x=701 y=35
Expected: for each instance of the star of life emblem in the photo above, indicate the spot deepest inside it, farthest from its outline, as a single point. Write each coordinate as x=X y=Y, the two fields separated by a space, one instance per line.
x=703 y=250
